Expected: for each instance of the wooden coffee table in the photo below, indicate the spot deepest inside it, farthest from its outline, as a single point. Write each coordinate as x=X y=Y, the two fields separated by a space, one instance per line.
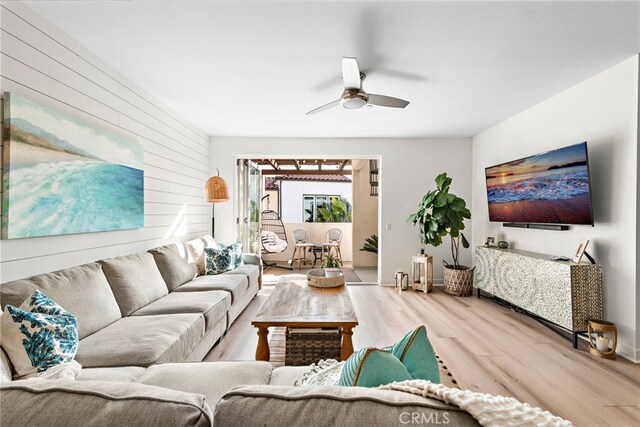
x=294 y=304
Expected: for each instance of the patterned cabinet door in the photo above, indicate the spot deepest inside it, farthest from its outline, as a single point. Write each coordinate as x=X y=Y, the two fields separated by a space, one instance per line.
x=533 y=283
x=483 y=263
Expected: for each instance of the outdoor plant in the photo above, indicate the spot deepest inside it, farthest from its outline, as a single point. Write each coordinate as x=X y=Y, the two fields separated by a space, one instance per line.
x=330 y=261
x=439 y=214
x=370 y=244
x=337 y=210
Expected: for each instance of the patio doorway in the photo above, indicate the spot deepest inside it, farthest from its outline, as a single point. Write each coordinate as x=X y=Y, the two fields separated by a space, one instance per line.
x=316 y=198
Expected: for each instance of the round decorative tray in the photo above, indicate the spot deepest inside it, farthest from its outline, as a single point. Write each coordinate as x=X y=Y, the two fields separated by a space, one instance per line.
x=317 y=279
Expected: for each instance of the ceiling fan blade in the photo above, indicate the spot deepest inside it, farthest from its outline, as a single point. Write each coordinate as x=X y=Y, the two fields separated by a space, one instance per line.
x=324 y=107
x=351 y=73
x=387 y=101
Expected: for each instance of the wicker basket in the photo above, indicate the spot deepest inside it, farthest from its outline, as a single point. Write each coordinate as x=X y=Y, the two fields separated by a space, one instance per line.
x=307 y=347
x=458 y=282
x=317 y=279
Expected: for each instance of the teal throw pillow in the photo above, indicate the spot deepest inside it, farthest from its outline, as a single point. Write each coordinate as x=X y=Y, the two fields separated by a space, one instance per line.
x=218 y=261
x=417 y=355
x=372 y=367
x=237 y=252
x=38 y=335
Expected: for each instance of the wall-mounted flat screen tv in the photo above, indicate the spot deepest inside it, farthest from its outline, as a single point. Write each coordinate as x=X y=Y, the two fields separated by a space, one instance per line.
x=548 y=188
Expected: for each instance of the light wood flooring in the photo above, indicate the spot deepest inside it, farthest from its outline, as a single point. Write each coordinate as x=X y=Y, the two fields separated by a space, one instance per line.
x=487 y=347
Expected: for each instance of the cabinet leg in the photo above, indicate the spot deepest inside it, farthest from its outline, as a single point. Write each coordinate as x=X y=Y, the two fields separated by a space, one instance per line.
x=575 y=340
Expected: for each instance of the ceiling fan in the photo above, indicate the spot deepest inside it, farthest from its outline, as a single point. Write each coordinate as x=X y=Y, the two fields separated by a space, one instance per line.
x=354 y=96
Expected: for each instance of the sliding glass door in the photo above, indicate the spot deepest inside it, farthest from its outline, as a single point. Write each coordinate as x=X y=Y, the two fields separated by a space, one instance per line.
x=250 y=190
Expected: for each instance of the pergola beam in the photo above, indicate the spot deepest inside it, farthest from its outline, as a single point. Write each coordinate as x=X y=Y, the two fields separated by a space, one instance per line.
x=305 y=172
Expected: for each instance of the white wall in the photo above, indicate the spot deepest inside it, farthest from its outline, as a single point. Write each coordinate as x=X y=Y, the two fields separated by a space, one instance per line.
x=407 y=170
x=292 y=192
x=602 y=110
x=42 y=62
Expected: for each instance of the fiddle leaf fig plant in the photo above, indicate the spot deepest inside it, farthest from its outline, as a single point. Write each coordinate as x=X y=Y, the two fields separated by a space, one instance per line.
x=439 y=214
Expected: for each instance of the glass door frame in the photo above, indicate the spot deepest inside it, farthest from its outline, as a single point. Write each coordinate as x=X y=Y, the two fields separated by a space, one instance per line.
x=377 y=157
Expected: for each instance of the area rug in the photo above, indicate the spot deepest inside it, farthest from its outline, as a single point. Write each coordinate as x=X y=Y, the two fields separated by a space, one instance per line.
x=277 y=347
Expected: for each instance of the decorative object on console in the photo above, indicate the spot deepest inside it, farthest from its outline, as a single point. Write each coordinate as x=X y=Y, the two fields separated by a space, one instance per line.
x=65 y=174
x=603 y=338
x=563 y=293
x=491 y=241
x=580 y=251
x=502 y=244
x=441 y=213
x=217 y=192
x=402 y=281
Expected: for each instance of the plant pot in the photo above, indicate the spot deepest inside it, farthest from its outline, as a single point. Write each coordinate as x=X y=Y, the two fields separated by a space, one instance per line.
x=458 y=282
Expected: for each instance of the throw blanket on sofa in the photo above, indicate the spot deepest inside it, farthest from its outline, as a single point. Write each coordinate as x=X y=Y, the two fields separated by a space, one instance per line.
x=487 y=409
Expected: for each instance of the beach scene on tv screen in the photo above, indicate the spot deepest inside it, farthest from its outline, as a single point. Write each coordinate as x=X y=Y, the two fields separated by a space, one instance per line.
x=551 y=187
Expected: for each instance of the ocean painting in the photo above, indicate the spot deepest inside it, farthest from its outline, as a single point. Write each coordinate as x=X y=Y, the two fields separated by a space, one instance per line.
x=63 y=174
x=551 y=187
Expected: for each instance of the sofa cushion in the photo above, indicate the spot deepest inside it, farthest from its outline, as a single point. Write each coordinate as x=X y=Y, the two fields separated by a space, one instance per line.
x=287 y=375
x=135 y=281
x=212 y=304
x=39 y=335
x=236 y=284
x=268 y=405
x=6 y=369
x=126 y=374
x=196 y=248
x=92 y=403
x=175 y=264
x=142 y=341
x=83 y=291
x=213 y=379
x=250 y=271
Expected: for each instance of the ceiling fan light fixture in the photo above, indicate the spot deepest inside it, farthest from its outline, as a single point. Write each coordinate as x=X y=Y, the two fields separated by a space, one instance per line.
x=353 y=99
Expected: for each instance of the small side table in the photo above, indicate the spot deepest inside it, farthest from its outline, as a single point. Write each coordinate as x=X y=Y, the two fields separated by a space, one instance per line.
x=422 y=268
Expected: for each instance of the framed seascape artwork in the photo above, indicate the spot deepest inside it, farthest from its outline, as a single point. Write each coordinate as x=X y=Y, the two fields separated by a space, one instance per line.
x=64 y=173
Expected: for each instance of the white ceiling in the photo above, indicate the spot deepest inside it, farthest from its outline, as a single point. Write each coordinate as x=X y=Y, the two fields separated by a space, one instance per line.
x=254 y=68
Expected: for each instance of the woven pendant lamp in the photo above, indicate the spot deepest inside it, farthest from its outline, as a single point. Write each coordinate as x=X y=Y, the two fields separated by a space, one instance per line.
x=217 y=192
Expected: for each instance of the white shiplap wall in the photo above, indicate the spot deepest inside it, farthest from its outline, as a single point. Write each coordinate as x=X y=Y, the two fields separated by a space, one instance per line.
x=40 y=61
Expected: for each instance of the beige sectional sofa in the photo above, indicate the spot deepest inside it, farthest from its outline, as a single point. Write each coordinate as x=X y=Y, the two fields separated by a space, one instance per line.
x=142 y=318
x=146 y=308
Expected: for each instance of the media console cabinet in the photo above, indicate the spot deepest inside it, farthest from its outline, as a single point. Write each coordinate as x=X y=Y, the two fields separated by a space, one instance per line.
x=563 y=293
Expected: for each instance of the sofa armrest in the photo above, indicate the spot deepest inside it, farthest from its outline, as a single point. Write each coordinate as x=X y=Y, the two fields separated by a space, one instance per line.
x=255 y=260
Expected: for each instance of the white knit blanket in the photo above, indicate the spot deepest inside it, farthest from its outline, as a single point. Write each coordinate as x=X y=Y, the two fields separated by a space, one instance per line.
x=487 y=409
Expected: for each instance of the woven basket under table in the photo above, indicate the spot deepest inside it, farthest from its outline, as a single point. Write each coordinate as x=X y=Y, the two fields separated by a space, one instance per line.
x=305 y=348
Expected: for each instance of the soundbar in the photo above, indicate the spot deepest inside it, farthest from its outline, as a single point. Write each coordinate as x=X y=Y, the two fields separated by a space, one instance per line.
x=552 y=227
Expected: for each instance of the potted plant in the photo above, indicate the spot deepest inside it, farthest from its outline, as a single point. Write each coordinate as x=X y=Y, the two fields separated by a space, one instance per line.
x=441 y=213
x=331 y=266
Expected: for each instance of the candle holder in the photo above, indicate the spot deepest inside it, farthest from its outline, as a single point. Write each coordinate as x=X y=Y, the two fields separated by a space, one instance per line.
x=603 y=338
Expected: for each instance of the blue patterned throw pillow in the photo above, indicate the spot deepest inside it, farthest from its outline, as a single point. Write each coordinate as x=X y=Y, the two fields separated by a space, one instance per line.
x=237 y=252
x=38 y=335
x=218 y=261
